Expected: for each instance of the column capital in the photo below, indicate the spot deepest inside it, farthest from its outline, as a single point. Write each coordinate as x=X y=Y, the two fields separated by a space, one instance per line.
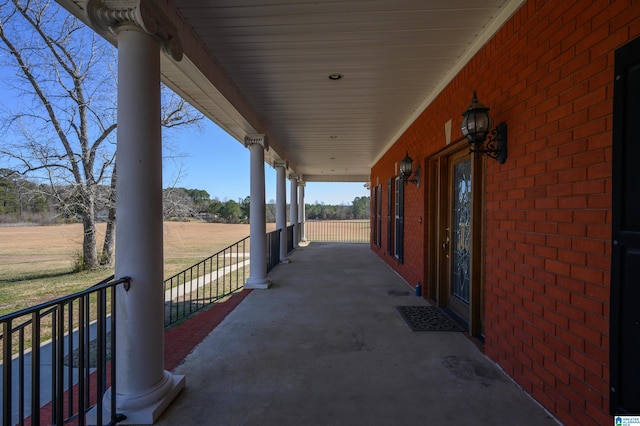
x=108 y=15
x=293 y=176
x=257 y=139
x=280 y=163
x=302 y=183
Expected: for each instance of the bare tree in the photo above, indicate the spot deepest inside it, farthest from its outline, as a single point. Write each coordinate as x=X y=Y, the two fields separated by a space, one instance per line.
x=177 y=203
x=61 y=129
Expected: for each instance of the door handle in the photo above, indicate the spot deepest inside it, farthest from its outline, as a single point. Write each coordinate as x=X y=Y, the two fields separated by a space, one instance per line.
x=445 y=244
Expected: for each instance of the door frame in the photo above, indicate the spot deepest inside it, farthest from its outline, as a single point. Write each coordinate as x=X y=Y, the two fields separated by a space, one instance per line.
x=438 y=273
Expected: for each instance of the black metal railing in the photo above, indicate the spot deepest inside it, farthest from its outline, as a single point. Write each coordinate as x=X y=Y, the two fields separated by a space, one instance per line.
x=208 y=281
x=290 y=245
x=58 y=351
x=273 y=249
x=216 y=277
x=348 y=231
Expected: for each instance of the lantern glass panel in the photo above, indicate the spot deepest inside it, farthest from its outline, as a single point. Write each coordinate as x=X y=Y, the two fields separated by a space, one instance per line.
x=406 y=165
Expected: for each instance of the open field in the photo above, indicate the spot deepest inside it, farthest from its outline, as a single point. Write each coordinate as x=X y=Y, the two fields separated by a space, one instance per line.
x=36 y=262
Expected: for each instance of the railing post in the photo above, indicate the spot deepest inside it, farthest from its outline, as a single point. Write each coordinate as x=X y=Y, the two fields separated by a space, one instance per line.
x=115 y=416
x=35 y=368
x=70 y=334
x=101 y=343
x=81 y=353
x=7 y=373
x=87 y=339
x=59 y=363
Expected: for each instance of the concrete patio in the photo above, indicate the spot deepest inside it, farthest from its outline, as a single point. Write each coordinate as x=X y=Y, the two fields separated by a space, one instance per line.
x=326 y=346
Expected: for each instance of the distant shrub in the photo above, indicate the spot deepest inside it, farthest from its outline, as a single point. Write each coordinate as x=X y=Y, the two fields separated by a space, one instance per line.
x=78 y=262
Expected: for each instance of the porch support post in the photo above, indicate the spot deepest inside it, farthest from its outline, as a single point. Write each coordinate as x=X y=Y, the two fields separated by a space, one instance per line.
x=144 y=389
x=293 y=209
x=281 y=207
x=258 y=279
x=302 y=214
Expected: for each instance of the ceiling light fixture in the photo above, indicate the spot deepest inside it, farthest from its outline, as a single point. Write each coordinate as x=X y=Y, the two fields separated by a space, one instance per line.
x=335 y=76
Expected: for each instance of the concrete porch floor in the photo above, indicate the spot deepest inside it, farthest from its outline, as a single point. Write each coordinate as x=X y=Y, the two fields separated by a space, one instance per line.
x=325 y=346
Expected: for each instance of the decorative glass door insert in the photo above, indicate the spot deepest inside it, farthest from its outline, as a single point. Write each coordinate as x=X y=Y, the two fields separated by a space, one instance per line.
x=461 y=231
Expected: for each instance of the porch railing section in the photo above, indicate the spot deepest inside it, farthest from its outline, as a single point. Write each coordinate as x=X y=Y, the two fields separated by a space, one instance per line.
x=208 y=281
x=347 y=231
x=65 y=343
x=273 y=249
x=290 y=238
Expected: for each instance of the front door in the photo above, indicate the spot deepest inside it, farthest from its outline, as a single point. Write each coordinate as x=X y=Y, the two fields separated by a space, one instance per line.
x=454 y=254
x=625 y=257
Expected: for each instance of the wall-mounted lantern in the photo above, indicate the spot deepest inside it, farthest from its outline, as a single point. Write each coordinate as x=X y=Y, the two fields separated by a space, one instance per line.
x=406 y=168
x=476 y=126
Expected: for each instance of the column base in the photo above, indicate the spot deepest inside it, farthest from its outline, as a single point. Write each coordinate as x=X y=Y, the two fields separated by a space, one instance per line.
x=140 y=415
x=285 y=260
x=257 y=283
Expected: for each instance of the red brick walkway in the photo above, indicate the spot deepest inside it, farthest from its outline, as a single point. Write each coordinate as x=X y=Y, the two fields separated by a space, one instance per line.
x=179 y=341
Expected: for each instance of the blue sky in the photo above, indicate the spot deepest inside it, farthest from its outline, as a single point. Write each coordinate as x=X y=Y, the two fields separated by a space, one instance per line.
x=214 y=161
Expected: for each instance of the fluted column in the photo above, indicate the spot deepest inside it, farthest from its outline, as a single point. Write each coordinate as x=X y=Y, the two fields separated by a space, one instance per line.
x=301 y=210
x=144 y=388
x=281 y=207
x=258 y=279
x=293 y=208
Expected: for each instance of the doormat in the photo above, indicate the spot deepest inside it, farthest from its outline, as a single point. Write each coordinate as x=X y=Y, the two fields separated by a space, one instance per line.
x=427 y=318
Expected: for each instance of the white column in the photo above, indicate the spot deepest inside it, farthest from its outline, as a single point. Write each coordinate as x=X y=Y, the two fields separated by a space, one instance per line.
x=302 y=214
x=144 y=388
x=293 y=208
x=258 y=228
x=281 y=207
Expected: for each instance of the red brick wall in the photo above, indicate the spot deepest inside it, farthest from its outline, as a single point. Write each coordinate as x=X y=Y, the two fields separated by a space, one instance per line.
x=548 y=72
x=414 y=221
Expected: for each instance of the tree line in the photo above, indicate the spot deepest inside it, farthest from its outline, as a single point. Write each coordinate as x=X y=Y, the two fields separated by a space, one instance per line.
x=24 y=201
x=183 y=204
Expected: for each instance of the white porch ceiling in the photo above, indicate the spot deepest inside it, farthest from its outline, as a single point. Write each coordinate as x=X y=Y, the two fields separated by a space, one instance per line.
x=263 y=66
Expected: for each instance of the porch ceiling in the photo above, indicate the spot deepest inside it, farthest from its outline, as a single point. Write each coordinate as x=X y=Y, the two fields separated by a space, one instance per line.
x=263 y=66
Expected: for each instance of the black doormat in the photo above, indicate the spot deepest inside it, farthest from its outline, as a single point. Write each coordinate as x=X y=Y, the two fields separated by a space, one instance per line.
x=427 y=318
